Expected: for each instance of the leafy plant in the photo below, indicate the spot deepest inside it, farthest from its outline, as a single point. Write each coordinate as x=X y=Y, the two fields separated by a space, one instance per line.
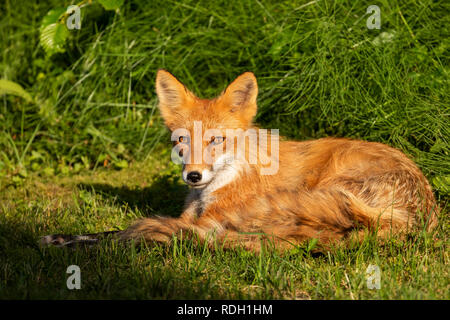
x=10 y=87
x=54 y=31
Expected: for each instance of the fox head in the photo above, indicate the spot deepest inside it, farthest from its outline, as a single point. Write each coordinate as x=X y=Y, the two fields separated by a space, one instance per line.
x=200 y=126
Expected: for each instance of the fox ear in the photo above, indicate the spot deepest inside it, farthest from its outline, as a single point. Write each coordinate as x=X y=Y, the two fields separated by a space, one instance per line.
x=240 y=96
x=172 y=95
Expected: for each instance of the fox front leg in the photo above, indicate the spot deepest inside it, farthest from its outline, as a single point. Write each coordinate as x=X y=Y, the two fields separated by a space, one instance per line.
x=158 y=229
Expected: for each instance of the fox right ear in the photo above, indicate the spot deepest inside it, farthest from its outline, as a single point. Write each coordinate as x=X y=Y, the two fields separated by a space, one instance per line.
x=172 y=95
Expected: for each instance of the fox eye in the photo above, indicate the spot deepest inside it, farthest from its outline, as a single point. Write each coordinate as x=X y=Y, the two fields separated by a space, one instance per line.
x=183 y=139
x=217 y=140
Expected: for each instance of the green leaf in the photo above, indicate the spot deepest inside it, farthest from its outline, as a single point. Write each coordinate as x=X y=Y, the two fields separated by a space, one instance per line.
x=49 y=171
x=121 y=164
x=111 y=4
x=312 y=244
x=10 y=87
x=52 y=17
x=53 y=38
x=23 y=173
x=53 y=31
x=17 y=180
x=438 y=146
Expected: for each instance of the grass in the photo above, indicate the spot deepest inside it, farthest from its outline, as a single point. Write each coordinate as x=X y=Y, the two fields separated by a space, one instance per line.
x=105 y=200
x=92 y=154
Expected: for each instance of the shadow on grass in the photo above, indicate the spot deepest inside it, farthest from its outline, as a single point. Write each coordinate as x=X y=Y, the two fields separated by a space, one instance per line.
x=165 y=196
x=108 y=271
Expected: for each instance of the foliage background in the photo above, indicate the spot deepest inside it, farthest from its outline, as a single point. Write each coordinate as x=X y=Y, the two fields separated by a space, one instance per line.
x=320 y=70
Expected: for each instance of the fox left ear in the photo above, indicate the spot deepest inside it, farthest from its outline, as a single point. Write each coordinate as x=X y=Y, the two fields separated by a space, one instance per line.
x=240 y=96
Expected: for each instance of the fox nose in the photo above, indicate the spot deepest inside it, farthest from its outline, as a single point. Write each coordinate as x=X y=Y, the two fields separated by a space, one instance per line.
x=194 y=176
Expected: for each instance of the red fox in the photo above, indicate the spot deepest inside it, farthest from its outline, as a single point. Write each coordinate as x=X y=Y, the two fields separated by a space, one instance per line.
x=330 y=189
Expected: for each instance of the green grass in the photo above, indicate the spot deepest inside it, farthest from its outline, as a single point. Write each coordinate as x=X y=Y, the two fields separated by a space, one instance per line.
x=92 y=154
x=105 y=200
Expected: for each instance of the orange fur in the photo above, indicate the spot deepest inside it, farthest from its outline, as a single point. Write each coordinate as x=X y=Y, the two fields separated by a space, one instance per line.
x=326 y=189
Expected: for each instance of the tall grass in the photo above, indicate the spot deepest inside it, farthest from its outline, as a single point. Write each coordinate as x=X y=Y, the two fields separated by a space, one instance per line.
x=321 y=72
